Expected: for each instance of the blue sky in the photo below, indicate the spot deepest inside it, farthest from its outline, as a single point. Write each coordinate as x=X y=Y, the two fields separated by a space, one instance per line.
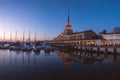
x=49 y=17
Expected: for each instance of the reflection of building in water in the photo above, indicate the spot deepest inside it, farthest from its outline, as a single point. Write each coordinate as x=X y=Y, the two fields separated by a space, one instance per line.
x=61 y=55
x=111 y=59
x=87 y=58
x=78 y=57
x=67 y=63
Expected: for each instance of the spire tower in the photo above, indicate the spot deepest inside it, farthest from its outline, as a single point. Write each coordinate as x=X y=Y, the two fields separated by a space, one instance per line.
x=68 y=17
x=68 y=26
x=68 y=30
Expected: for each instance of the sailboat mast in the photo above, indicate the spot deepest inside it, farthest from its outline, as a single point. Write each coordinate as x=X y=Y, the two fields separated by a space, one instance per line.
x=35 y=36
x=45 y=38
x=23 y=36
x=4 y=36
x=11 y=36
x=16 y=37
x=29 y=37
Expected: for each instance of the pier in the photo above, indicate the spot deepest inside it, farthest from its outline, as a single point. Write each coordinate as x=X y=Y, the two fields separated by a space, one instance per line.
x=101 y=49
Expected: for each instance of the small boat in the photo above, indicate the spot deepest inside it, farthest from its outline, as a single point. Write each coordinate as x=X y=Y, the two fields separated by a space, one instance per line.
x=4 y=47
x=29 y=47
x=26 y=47
x=16 y=48
x=36 y=48
x=11 y=47
x=23 y=48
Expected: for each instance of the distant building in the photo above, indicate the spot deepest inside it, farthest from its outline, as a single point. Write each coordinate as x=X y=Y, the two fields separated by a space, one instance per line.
x=84 y=35
x=109 y=39
x=87 y=38
x=111 y=36
x=116 y=29
x=68 y=34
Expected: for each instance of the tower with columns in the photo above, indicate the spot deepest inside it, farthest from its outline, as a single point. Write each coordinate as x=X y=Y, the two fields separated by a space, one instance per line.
x=68 y=30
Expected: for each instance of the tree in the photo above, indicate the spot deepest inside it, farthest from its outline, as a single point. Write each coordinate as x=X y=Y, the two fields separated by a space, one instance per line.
x=103 y=32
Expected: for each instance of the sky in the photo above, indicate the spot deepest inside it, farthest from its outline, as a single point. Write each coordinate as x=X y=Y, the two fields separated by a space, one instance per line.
x=48 y=17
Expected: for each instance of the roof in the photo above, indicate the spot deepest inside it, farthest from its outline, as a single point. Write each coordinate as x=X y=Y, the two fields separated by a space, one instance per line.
x=111 y=33
x=83 y=31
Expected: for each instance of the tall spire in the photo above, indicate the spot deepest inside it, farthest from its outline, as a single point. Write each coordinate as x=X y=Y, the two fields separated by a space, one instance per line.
x=68 y=29
x=68 y=17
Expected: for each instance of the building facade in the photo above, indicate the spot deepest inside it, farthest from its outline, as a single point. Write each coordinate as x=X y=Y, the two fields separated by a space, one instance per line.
x=68 y=34
x=111 y=36
x=88 y=37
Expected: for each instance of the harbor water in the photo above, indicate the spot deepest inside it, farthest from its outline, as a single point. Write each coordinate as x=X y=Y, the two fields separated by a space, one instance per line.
x=58 y=65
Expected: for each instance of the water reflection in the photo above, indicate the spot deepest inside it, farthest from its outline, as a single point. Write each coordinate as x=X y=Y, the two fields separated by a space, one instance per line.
x=37 y=53
x=30 y=58
x=47 y=54
x=88 y=57
x=10 y=57
x=58 y=65
x=23 y=58
x=67 y=63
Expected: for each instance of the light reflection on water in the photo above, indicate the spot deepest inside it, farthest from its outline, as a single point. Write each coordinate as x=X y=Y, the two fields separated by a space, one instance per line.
x=19 y=65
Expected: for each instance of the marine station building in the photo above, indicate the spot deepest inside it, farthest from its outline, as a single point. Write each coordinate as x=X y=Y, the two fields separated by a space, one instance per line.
x=88 y=37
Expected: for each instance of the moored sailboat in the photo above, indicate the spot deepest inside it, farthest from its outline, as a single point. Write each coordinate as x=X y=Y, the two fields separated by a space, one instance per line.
x=37 y=45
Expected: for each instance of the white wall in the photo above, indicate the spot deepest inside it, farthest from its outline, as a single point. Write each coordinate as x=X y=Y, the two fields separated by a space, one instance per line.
x=111 y=36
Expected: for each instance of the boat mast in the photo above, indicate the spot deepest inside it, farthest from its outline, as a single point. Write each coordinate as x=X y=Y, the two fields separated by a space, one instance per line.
x=16 y=39
x=29 y=37
x=35 y=36
x=4 y=36
x=45 y=38
x=11 y=36
x=23 y=36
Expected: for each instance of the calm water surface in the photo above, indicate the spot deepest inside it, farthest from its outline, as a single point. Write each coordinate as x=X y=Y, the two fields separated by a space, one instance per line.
x=19 y=65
